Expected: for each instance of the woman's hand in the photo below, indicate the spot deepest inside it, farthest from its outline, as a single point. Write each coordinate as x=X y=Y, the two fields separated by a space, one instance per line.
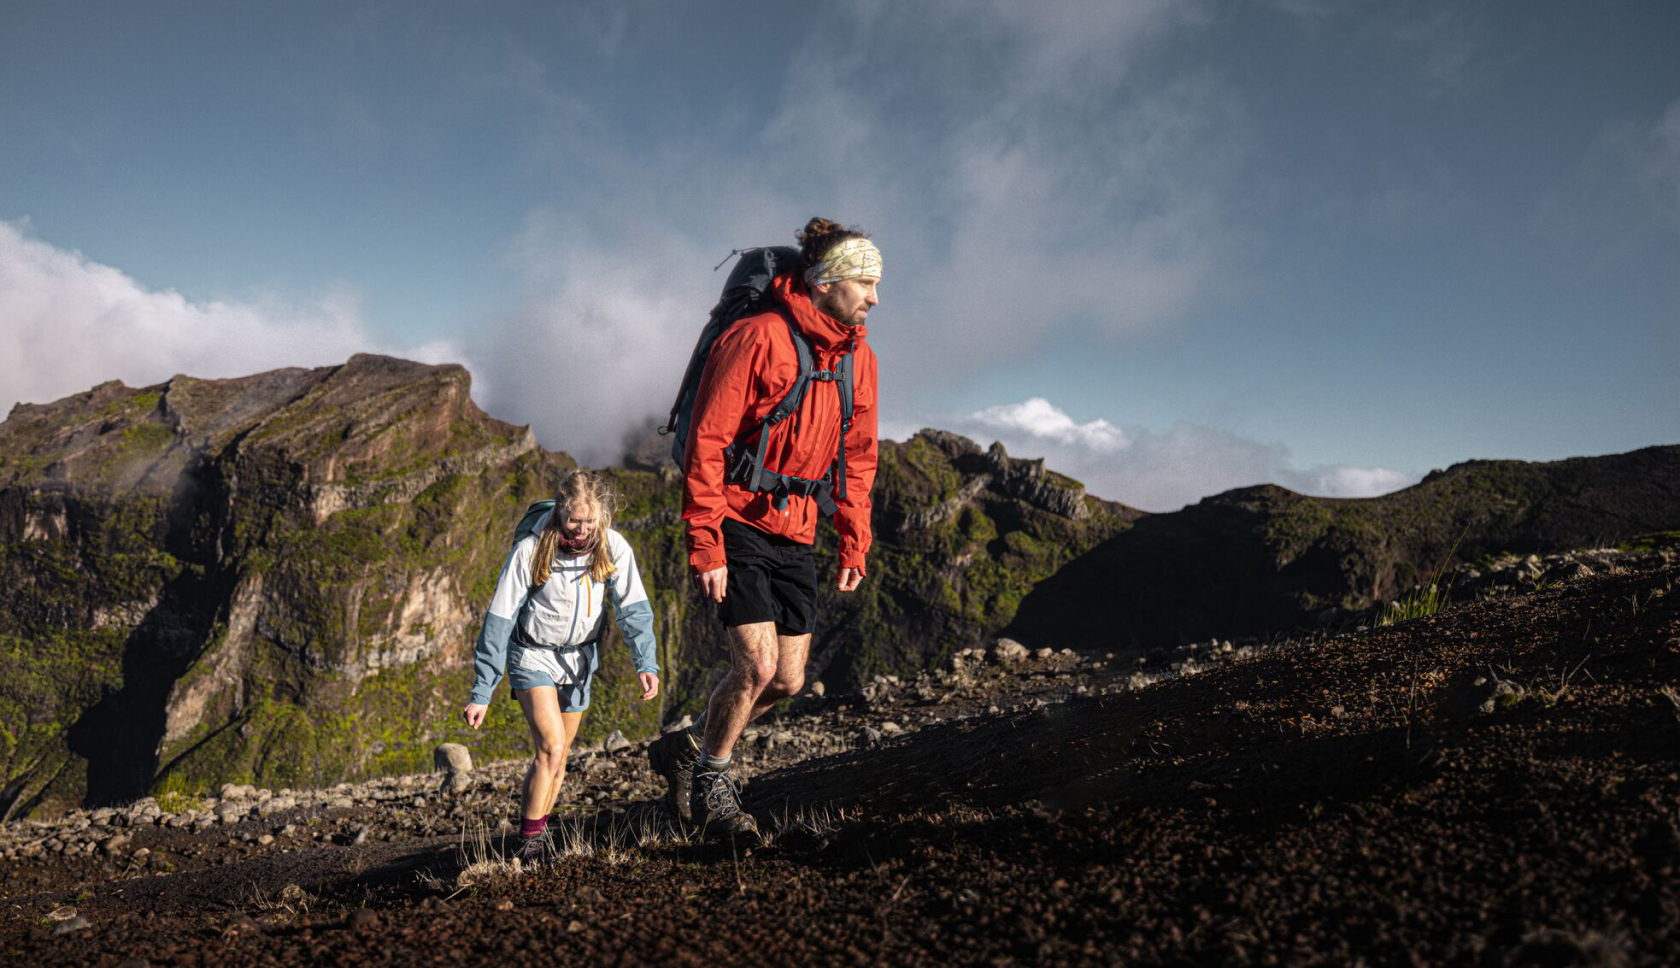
x=474 y=714
x=650 y=684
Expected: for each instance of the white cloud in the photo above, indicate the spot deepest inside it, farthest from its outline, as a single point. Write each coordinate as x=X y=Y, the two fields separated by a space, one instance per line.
x=1162 y=471
x=1018 y=183
x=68 y=323
x=1039 y=418
x=598 y=338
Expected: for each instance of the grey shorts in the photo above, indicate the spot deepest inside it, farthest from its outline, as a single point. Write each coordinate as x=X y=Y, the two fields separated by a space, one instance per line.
x=535 y=668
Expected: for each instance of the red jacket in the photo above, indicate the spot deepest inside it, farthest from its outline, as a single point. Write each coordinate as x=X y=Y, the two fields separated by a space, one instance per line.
x=750 y=369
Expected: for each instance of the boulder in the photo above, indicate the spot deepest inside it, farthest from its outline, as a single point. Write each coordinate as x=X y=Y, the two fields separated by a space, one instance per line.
x=1009 y=652
x=616 y=742
x=452 y=758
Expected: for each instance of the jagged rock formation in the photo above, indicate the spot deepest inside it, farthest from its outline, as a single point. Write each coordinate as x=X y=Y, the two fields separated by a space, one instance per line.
x=268 y=577
x=277 y=579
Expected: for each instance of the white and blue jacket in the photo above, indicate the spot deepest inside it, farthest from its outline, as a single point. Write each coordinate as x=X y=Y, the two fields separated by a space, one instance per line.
x=563 y=613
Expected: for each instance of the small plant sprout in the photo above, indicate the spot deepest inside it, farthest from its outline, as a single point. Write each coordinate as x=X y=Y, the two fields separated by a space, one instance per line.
x=1426 y=599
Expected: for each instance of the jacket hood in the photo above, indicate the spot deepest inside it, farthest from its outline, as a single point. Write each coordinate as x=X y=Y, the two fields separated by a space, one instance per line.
x=827 y=334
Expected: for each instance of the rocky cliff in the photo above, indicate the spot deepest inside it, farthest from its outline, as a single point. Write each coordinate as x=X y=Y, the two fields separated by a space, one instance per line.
x=277 y=579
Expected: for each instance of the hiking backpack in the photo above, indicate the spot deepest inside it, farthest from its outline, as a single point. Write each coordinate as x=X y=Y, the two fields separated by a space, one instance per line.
x=747 y=293
x=528 y=524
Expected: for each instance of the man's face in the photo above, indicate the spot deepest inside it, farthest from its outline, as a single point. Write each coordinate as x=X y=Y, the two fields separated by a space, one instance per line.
x=848 y=300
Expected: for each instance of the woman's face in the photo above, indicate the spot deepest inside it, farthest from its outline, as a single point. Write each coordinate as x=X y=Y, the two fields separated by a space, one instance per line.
x=580 y=520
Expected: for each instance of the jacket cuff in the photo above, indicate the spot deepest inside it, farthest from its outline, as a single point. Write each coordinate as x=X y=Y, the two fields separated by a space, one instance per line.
x=704 y=561
x=853 y=559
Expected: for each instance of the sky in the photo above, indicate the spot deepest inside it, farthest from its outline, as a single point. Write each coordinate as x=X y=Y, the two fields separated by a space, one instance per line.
x=1173 y=247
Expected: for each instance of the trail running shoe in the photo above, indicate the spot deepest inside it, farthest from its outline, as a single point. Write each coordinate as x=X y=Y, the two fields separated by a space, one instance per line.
x=674 y=756
x=716 y=804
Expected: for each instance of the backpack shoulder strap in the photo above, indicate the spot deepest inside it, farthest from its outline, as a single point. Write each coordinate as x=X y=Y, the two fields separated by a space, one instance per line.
x=807 y=361
x=848 y=403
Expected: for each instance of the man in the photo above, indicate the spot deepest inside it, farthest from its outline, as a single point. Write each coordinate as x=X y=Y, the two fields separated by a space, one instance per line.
x=750 y=549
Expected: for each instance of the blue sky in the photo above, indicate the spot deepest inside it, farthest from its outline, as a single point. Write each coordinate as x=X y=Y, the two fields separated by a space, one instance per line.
x=1175 y=247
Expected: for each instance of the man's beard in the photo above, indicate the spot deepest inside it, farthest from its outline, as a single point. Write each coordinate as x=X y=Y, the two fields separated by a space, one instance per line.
x=827 y=305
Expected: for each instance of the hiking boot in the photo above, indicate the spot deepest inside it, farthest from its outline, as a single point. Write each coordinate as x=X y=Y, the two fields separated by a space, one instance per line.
x=534 y=851
x=716 y=804
x=674 y=756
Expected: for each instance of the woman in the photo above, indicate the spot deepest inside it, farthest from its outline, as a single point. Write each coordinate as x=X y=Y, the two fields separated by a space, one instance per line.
x=544 y=623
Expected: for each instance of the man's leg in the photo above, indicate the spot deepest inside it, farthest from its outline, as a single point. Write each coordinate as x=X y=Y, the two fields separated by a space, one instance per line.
x=675 y=755
x=715 y=796
x=754 y=664
x=792 y=652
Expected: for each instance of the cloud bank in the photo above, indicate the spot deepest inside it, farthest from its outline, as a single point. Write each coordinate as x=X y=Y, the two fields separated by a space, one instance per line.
x=1162 y=471
x=68 y=323
x=1010 y=205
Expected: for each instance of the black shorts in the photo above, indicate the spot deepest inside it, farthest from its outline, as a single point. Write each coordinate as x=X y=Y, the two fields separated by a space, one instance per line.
x=771 y=579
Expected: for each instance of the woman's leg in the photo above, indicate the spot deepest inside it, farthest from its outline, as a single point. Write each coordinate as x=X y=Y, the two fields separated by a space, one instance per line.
x=552 y=732
x=549 y=743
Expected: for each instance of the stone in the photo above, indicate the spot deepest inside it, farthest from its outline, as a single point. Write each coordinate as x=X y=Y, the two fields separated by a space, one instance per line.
x=363 y=921
x=274 y=805
x=817 y=689
x=1009 y=652
x=869 y=735
x=677 y=726
x=241 y=924
x=114 y=843
x=71 y=925
x=616 y=742
x=890 y=728
x=456 y=784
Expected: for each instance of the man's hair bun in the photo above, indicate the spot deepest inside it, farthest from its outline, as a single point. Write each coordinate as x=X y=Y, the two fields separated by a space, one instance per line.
x=820 y=235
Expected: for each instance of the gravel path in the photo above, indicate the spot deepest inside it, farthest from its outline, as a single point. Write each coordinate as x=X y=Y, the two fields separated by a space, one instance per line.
x=1495 y=785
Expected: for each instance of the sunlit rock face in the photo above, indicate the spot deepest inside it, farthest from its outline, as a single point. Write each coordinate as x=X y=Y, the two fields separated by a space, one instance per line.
x=277 y=579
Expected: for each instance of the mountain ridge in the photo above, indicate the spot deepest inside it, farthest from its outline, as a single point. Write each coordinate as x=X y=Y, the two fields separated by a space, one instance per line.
x=277 y=578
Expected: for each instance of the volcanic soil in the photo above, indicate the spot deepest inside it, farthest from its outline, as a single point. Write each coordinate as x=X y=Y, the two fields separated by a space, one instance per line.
x=1498 y=784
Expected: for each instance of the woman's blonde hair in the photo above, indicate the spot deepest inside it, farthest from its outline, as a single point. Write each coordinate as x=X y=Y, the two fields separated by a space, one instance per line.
x=580 y=487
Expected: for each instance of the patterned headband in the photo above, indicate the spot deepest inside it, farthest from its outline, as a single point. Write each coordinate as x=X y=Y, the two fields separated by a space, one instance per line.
x=851 y=259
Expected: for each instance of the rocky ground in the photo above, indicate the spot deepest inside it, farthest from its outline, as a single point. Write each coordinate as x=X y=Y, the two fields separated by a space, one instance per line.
x=1495 y=785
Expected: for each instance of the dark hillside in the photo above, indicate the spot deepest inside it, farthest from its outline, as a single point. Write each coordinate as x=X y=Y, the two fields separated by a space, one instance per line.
x=1262 y=560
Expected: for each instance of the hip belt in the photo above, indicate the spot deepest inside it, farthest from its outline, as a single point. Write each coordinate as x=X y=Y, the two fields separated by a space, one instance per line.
x=524 y=641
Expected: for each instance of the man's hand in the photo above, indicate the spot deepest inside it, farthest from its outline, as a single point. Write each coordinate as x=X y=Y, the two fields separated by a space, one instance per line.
x=714 y=583
x=474 y=714
x=650 y=684
x=849 y=580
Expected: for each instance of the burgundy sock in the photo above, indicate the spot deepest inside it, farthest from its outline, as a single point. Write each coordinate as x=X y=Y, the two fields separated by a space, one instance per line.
x=531 y=828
